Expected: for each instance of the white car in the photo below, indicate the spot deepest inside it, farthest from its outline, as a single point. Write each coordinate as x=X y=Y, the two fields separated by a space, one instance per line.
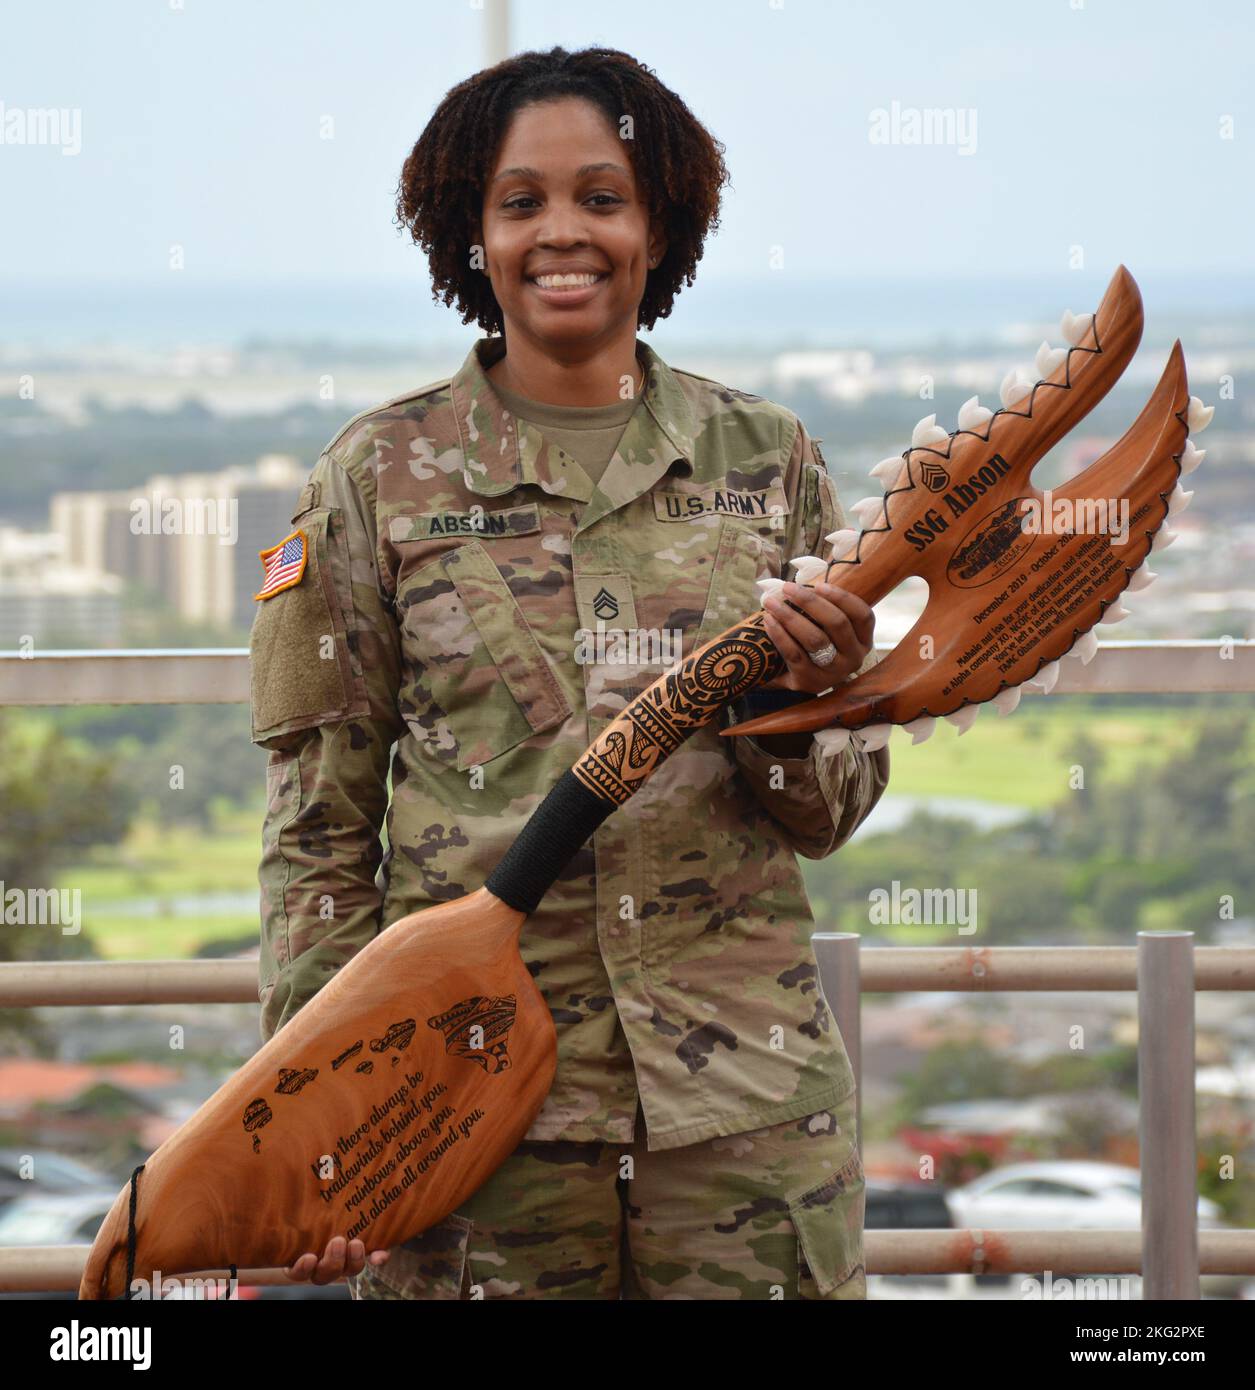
x=55 y=1218
x=1059 y=1195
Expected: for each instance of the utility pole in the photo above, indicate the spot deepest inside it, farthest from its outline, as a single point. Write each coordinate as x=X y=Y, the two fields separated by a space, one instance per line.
x=496 y=31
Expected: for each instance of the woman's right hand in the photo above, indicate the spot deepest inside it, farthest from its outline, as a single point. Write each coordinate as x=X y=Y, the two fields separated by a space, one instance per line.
x=339 y=1259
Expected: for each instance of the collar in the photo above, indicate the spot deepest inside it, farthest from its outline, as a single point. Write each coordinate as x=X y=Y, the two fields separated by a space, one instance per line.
x=502 y=452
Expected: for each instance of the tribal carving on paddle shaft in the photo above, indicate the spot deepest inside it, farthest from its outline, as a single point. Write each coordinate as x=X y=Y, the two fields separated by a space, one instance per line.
x=652 y=727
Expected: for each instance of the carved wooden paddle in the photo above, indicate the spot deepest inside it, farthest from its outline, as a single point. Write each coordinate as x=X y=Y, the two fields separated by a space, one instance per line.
x=407 y=1080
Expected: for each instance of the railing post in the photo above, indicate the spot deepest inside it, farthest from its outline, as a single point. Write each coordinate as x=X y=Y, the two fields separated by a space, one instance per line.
x=836 y=953
x=1167 y=1140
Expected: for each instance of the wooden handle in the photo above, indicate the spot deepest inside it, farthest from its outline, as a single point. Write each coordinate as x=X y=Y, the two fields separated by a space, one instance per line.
x=636 y=743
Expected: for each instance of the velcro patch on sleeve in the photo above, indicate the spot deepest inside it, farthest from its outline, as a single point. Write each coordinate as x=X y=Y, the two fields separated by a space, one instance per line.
x=283 y=565
x=749 y=503
x=508 y=521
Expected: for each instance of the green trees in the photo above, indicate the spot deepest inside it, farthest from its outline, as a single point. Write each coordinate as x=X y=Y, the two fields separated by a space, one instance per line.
x=59 y=799
x=1167 y=845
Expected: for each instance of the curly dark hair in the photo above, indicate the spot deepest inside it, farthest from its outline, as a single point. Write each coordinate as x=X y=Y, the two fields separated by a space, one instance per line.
x=678 y=166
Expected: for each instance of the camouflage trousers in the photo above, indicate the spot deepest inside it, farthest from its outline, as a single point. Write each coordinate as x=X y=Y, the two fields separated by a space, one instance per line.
x=774 y=1213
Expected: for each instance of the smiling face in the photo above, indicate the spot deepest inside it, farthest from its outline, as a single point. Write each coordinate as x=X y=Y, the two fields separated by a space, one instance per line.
x=566 y=235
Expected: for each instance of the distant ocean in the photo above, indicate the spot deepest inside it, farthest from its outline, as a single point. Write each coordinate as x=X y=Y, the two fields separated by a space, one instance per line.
x=762 y=315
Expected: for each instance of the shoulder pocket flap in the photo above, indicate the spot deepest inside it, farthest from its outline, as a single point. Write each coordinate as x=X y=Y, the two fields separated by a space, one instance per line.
x=300 y=667
x=510 y=641
x=307 y=501
x=828 y=1219
x=822 y=508
x=431 y=1265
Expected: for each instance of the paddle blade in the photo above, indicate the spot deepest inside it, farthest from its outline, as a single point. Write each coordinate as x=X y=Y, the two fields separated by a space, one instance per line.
x=1015 y=575
x=383 y=1104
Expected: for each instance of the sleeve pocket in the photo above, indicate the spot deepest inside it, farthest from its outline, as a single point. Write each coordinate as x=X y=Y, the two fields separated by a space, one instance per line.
x=302 y=670
x=432 y=1265
x=283 y=803
x=828 y=1219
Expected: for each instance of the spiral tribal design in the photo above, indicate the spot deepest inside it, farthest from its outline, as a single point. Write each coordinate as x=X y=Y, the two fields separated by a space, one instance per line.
x=654 y=725
x=726 y=665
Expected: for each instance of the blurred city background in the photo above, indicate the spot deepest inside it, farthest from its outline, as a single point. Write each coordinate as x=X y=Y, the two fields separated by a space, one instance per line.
x=204 y=283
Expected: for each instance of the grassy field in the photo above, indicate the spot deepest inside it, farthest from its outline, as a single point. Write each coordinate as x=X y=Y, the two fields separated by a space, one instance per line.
x=1022 y=760
x=164 y=862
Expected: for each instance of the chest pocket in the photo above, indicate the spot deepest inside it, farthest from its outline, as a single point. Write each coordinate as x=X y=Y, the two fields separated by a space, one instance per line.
x=475 y=681
x=741 y=558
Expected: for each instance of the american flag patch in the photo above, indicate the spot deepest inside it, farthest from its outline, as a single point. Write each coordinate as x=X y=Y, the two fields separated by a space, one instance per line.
x=284 y=565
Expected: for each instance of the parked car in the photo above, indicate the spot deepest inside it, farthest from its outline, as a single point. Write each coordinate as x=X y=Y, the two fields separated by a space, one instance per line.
x=53 y=1172
x=906 y=1206
x=1059 y=1195
x=1067 y=1195
x=55 y=1218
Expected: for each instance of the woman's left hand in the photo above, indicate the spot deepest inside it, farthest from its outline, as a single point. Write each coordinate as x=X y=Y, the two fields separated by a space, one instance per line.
x=829 y=614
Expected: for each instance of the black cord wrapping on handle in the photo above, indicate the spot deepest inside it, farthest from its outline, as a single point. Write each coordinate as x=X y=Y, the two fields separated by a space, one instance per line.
x=131 y=1241
x=547 y=843
x=130 y=1235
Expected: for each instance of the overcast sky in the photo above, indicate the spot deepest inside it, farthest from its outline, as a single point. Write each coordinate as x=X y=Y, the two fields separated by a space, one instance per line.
x=1097 y=124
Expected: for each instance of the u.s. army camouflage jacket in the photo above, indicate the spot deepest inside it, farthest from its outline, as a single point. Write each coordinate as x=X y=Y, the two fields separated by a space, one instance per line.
x=470 y=597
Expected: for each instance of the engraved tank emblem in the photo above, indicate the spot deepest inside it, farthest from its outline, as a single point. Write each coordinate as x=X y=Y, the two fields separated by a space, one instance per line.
x=478 y=1028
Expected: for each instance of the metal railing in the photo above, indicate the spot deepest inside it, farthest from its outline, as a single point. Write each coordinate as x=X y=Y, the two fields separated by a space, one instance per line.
x=1165 y=968
x=219 y=675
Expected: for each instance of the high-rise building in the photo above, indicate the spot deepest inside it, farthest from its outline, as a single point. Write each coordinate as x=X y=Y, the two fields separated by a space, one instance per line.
x=192 y=538
x=50 y=603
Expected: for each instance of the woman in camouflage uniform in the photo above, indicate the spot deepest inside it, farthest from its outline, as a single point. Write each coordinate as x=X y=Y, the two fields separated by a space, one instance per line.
x=498 y=562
